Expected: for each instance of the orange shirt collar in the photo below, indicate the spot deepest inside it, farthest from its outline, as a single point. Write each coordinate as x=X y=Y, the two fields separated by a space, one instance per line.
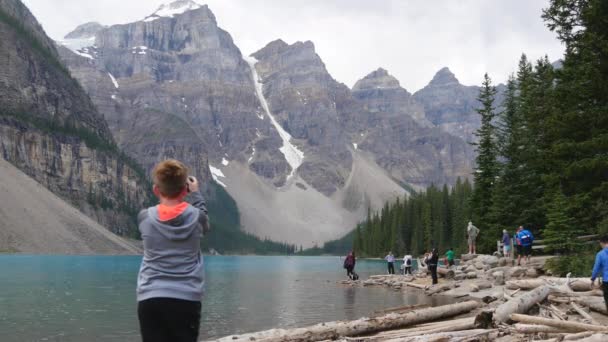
x=167 y=213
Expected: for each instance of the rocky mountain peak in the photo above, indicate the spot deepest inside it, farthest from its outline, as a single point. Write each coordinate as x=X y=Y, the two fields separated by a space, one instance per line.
x=378 y=79
x=174 y=8
x=87 y=30
x=300 y=50
x=444 y=77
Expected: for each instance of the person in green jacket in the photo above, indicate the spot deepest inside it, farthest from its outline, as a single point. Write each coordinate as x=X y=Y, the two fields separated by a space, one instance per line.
x=449 y=256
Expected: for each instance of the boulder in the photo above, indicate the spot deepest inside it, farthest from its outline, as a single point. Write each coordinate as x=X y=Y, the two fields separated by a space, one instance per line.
x=471 y=275
x=468 y=257
x=499 y=278
x=516 y=272
x=489 y=260
x=532 y=273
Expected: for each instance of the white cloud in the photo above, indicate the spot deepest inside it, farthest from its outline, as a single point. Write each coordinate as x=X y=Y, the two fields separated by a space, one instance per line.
x=411 y=39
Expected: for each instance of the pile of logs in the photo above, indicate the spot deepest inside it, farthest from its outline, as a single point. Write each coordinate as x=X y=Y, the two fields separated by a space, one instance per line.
x=551 y=311
x=511 y=304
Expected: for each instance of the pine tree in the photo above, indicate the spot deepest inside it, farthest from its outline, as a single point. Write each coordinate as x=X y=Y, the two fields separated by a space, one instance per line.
x=487 y=167
x=560 y=234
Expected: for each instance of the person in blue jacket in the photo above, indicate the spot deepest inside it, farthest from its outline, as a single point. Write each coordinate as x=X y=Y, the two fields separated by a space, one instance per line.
x=601 y=266
x=525 y=240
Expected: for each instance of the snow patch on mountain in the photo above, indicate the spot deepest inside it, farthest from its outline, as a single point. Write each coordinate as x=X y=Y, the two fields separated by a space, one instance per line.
x=77 y=43
x=217 y=174
x=225 y=162
x=114 y=81
x=172 y=9
x=292 y=154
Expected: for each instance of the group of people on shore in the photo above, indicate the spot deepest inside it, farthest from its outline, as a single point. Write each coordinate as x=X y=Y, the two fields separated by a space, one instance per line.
x=522 y=240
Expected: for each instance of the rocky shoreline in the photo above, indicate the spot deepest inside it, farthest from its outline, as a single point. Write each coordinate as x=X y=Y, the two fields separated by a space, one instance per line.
x=494 y=300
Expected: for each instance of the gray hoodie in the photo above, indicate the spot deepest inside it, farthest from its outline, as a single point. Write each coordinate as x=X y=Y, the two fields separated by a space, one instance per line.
x=172 y=266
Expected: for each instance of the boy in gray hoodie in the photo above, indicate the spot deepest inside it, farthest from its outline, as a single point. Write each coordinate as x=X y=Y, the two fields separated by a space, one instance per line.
x=171 y=277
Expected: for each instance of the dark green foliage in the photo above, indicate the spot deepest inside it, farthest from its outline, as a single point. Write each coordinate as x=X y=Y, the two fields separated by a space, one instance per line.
x=226 y=235
x=560 y=234
x=579 y=265
x=487 y=165
x=435 y=218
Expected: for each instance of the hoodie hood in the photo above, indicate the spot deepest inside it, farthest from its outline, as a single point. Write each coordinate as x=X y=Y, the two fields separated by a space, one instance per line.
x=178 y=228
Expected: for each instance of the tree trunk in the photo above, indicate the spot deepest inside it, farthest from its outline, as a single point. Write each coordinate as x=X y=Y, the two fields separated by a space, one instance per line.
x=565 y=325
x=535 y=328
x=528 y=284
x=580 y=284
x=594 y=303
x=467 y=335
x=521 y=304
x=584 y=314
x=334 y=330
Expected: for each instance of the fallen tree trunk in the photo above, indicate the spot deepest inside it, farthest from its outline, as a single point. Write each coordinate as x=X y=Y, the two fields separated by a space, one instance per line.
x=595 y=338
x=565 y=325
x=400 y=309
x=424 y=329
x=593 y=293
x=334 y=330
x=418 y=286
x=580 y=284
x=475 y=334
x=594 y=303
x=438 y=289
x=528 y=284
x=446 y=272
x=583 y=313
x=535 y=328
x=520 y=304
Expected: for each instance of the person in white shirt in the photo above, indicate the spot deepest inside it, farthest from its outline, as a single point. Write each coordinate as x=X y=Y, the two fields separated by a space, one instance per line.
x=472 y=233
x=390 y=259
x=407 y=264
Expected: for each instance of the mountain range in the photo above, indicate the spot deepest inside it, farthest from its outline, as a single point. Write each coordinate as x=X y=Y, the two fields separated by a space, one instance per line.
x=302 y=155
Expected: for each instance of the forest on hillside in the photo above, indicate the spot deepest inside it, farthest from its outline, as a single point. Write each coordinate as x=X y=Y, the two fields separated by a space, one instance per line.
x=542 y=157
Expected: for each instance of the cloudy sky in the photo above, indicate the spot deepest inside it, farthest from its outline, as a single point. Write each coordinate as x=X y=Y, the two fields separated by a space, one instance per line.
x=412 y=39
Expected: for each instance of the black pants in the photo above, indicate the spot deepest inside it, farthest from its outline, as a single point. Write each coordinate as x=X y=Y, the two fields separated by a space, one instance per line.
x=349 y=272
x=605 y=289
x=391 y=268
x=433 y=269
x=169 y=320
x=407 y=270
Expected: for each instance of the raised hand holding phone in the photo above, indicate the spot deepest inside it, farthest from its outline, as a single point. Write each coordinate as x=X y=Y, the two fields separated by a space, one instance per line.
x=192 y=184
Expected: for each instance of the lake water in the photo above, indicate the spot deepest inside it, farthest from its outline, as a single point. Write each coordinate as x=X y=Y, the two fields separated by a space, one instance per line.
x=92 y=298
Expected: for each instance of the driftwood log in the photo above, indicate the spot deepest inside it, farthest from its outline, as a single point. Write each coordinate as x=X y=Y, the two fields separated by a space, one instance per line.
x=335 y=330
x=565 y=325
x=466 y=335
x=580 y=284
x=521 y=304
x=594 y=303
x=583 y=314
x=534 y=329
x=423 y=329
x=527 y=284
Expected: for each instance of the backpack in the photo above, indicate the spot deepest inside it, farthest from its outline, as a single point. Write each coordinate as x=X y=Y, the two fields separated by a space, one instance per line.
x=526 y=237
x=409 y=262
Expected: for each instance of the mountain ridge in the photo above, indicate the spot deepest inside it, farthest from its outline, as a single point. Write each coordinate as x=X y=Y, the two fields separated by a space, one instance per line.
x=376 y=126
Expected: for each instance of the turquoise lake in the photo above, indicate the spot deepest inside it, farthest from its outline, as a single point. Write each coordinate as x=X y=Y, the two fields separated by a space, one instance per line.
x=92 y=298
